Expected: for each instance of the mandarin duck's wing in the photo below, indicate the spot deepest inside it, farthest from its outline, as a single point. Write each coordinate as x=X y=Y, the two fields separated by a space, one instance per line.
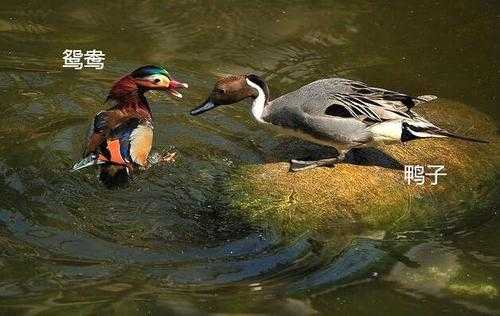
x=102 y=126
x=104 y=143
x=96 y=136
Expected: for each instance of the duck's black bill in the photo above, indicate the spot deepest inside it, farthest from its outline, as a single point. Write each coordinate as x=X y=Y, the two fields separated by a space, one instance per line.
x=205 y=106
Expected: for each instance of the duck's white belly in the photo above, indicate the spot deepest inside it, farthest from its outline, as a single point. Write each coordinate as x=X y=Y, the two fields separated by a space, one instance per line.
x=387 y=132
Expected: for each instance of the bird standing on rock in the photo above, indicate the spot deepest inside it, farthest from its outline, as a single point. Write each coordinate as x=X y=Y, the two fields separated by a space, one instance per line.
x=335 y=112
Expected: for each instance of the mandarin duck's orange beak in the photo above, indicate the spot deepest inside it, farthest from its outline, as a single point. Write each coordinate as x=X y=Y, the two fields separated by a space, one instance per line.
x=172 y=87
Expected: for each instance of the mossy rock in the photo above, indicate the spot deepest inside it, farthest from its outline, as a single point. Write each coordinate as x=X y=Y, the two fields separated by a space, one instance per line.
x=370 y=189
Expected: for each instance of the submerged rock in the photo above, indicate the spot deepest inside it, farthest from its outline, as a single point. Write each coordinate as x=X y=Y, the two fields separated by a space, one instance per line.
x=370 y=189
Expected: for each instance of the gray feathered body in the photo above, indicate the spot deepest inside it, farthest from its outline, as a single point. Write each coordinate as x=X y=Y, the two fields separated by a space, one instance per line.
x=344 y=114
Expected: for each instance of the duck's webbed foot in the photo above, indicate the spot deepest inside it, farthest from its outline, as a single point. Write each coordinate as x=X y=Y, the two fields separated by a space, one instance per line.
x=300 y=165
x=160 y=158
x=168 y=157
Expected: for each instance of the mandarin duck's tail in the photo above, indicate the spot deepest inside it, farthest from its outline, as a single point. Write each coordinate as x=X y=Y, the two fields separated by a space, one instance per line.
x=90 y=160
x=111 y=175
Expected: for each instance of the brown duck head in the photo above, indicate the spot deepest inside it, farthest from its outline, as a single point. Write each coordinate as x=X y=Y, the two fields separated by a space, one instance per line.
x=232 y=89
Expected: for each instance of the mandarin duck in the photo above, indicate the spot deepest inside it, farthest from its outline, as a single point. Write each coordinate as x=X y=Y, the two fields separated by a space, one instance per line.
x=120 y=138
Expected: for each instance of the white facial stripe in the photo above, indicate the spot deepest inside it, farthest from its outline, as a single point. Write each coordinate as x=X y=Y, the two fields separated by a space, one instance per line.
x=259 y=102
x=154 y=77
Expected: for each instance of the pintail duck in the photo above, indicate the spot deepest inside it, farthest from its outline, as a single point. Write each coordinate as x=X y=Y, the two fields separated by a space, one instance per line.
x=121 y=137
x=335 y=112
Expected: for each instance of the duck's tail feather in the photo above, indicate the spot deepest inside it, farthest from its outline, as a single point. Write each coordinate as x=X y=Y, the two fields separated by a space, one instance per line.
x=90 y=160
x=452 y=135
x=423 y=129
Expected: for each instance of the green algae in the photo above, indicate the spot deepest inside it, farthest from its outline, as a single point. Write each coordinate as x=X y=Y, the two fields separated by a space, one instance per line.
x=484 y=290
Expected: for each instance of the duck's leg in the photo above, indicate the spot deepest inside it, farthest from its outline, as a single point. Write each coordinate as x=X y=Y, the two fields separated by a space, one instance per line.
x=157 y=158
x=299 y=165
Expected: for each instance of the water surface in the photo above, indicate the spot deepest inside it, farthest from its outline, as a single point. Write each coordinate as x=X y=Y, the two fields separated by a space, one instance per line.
x=169 y=242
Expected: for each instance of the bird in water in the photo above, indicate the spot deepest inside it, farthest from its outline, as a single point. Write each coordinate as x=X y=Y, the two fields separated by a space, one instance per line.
x=335 y=112
x=121 y=137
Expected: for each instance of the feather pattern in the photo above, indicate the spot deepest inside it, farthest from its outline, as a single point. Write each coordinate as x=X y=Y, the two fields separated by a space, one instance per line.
x=121 y=137
x=117 y=126
x=127 y=144
x=343 y=113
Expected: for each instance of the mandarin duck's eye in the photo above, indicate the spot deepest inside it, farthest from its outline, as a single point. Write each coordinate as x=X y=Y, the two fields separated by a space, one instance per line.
x=156 y=80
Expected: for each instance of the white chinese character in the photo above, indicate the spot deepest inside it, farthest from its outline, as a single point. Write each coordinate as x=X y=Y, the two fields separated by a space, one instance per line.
x=414 y=173
x=94 y=59
x=72 y=58
x=437 y=172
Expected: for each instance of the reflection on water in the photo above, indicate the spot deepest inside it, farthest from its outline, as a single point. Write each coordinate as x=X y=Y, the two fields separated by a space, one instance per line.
x=168 y=242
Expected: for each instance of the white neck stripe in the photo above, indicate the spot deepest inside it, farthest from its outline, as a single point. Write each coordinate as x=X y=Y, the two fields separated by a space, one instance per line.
x=259 y=102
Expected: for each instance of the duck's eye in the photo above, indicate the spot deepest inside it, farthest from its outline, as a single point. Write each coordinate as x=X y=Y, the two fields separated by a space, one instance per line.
x=157 y=80
x=219 y=90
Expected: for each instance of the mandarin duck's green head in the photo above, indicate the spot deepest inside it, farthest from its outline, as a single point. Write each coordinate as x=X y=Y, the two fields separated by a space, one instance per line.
x=156 y=78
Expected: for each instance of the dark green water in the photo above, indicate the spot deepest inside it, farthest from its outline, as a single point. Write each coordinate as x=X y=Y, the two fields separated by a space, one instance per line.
x=168 y=243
